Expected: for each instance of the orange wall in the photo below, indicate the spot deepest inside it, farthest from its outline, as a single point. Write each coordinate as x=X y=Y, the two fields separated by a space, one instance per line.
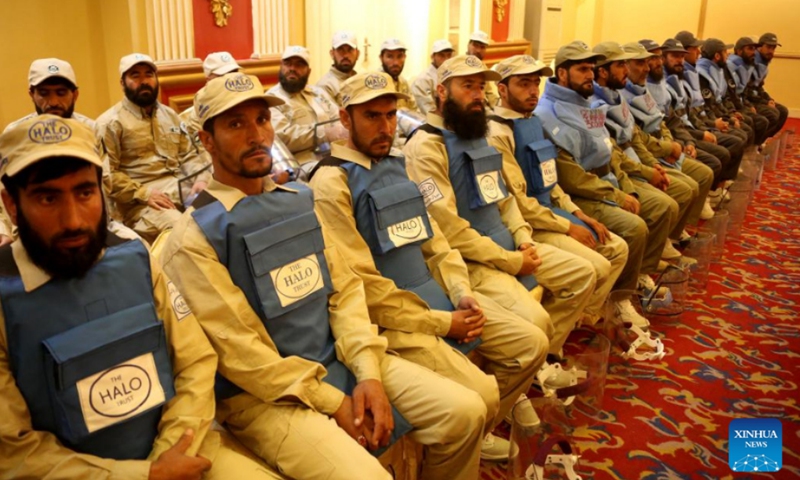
x=236 y=37
x=500 y=29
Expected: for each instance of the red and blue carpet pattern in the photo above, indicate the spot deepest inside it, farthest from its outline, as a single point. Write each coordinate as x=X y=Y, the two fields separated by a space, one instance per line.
x=734 y=354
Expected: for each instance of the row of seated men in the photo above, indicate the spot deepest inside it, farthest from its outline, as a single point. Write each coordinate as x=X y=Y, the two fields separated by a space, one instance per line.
x=319 y=323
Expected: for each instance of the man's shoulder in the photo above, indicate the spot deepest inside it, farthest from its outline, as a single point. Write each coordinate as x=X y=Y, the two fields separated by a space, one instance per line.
x=18 y=121
x=110 y=116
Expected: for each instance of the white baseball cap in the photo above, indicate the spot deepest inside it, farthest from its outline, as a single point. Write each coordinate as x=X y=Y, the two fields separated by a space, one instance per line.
x=480 y=37
x=344 y=37
x=392 y=44
x=45 y=68
x=441 y=46
x=297 y=51
x=128 y=61
x=219 y=63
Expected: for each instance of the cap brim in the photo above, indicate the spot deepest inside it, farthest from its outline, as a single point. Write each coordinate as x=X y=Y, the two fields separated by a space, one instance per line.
x=395 y=47
x=225 y=69
x=540 y=69
x=71 y=82
x=153 y=65
x=673 y=50
x=19 y=165
x=622 y=58
x=444 y=50
x=271 y=101
x=589 y=56
x=368 y=97
x=346 y=43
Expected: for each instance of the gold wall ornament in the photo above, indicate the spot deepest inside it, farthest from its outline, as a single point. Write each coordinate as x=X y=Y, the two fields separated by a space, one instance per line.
x=500 y=9
x=222 y=9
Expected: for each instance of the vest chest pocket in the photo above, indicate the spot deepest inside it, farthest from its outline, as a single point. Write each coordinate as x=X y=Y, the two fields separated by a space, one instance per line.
x=398 y=217
x=108 y=371
x=541 y=158
x=283 y=285
x=485 y=179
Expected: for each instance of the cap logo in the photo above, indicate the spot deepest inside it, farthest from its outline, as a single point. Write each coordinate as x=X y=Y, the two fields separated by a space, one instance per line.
x=446 y=73
x=52 y=69
x=202 y=111
x=583 y=45
x=678 y=44
x=239 y=83
x=473 y=62
x=225 y=57
x=138 y=57
x=528 y=60
x=345 y=99
x=504 y=70
x=375 y=82
x=49 y=132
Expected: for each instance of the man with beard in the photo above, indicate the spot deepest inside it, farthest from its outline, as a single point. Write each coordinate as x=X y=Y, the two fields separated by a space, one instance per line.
x=54 y=90
x=393 y=60
x=104 y=371
x=589 y=168
x=478 y=41
x=305 y=380
x=344 y=53
x=663 y=174
x=765 y=104
x=304 y=107
x=738 y=71
x=552 y=215
x=422 y=318
x=147 y=149
x=424 y=86
x=460 y=177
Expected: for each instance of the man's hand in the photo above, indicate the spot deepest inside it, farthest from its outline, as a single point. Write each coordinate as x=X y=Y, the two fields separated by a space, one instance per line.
x=581 y=234
x=659 y=179
x=369 y=396
x=530 y=261
x=721 y=124
x=631 y=204
x=158 y=200
x=771 y=103
x=467 y=321
x=5 y=240
x=602 y=232
x=345 y=418
x=753 y=110
x=709 y=137
x=174 y=464
x=690 y=150
x=676 y=150
x=280 y=178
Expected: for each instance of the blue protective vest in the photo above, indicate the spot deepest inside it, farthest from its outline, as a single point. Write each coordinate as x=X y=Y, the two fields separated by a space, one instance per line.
x=643 y=106
x=71 y=343
x=691 y=84
x=619 y=120
x=573 y=125
x=273 y=248
x=536 y=156
x=761 y=70
x=742 y=72
x=660 y=94
x=715 y=76
x=677 y=93
x=474 y=165
x=391 y=218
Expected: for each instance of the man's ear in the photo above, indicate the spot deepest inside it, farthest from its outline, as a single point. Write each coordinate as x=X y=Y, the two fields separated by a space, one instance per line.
x=11 y=206
x=345 y=119
x=207 y=140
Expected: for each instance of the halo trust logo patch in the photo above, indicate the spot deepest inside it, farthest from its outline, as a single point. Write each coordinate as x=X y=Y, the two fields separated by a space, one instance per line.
x=239 y=83
x=755 y=445
x=49 y=131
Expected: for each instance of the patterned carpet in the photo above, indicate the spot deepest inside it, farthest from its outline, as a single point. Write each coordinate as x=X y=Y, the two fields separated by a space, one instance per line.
x=734 y=354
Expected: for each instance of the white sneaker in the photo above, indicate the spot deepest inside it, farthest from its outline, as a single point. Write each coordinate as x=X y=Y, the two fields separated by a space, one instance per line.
x=708 y=212
x=648 y=285
x=670 y=252
x=495 y=449
x=526 y=415
x=628 y=314
x=718 y=196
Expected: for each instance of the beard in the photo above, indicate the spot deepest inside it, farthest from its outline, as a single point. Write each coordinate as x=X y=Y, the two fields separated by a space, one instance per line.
x=144 y=96
x=521 y=106
x=343 y=68
x=676 y=70
x=751 y=60
x=615 y=84
x=65 y=114
x=60 y=262
x=467 y=125
x=393 y=72
x=369 y=149
x=256 y=173
x=292 y=86
x=656 y=74
x=583 y=89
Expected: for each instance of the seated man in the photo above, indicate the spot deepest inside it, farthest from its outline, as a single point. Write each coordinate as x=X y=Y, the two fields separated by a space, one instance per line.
x=104 y=371
x=344 y=53
x=764 y=103
x=305 y=381
x=295 y=122
x=459 y=175
x=740 y=66
x=478 y=42
x=147 y=151
x=552 y=215
x=424 y=86
x=589 y=167
x=417 y=304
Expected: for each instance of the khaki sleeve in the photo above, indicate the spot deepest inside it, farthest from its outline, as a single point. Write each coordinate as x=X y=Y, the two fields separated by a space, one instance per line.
x=620 y=164
x=194 y=365
x=538 y=217
x=326 y=84
x=446 y=266
x=29 y=453
x=632 y=167
x=191 y=159
x=297 y=136
x=124 y=189
x=659 y=148
x=247 y=355
x=666 y=134
x=420 y=89
x=577 y=182
x=561 y=200
x=389 y=306
x=514 y=221
x=6 y=228
x=426 y=162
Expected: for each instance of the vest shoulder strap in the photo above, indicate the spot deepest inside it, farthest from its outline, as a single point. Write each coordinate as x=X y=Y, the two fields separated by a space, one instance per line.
x=425 y=127
x=203 y=198
x=8 y=267
x=499 y=119
x=326 y=162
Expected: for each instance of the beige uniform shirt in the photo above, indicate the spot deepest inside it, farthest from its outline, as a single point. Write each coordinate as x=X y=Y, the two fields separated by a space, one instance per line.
x=391 y=307
x=577 y=182
x=428 y=165
x=294 y=120
x=145 y=152
x=332 y=80
x=247 y=355
x=423 y=88
x=401 y=86
x=75 y=116
x=29 y=453
x=492 y=95
x=501 y=137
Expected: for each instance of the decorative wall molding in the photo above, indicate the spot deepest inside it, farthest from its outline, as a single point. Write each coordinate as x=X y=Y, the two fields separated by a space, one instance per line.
x=170 y=31
x=270 y=27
